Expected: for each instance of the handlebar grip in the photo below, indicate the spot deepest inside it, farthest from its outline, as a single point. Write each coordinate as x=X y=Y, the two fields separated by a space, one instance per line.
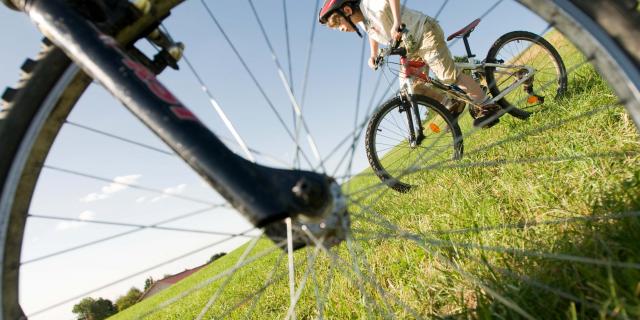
x=396 y=42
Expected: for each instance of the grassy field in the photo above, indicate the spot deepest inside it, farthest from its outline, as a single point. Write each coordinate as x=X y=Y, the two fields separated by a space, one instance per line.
x=538 y=220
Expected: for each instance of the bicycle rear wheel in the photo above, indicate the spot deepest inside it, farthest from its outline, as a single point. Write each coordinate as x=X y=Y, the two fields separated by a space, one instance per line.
x=399 y=164
x=516 y=230
x=521 y=48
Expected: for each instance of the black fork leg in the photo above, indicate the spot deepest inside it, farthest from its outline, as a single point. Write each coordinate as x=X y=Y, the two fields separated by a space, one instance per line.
x=414 y=123
x=408 y=111
x=263 y=195
x=418 y=121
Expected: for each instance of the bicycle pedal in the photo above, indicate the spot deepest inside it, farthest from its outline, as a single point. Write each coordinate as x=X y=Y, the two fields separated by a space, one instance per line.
x=491 y=124
x=484 y=124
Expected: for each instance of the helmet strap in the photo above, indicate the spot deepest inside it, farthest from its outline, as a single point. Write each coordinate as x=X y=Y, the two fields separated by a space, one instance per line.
x=350 y=22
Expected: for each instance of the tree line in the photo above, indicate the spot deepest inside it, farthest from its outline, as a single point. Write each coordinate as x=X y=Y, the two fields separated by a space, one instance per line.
x=100 y=308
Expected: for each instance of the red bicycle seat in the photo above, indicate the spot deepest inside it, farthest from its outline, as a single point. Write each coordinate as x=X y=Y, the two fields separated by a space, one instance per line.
x=465 y=31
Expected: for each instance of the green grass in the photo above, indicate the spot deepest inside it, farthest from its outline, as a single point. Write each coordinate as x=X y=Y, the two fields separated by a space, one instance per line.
x=496 y=226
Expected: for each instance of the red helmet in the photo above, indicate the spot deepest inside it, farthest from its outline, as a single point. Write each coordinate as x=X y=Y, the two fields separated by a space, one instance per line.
x=330 y=6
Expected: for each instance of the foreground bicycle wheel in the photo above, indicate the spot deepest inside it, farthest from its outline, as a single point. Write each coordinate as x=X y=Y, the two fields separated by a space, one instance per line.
x=391 y=156
x=526 y=48
x=539 y=221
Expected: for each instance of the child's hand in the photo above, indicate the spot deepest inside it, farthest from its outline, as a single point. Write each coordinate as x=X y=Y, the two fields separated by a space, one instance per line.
x=395 y=31
x=372 y=63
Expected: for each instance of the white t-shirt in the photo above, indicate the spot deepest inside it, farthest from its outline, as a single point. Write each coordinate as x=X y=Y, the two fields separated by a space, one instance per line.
x=378 y=20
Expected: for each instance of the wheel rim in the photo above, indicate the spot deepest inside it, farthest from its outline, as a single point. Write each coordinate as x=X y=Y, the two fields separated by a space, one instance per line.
x=397 y=158
x=548 y=82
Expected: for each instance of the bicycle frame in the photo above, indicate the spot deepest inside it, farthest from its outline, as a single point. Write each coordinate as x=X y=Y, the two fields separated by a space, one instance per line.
x=454 y=92
x=263 y=195
x=472 y=66
x=417 y=69
x=413 y=69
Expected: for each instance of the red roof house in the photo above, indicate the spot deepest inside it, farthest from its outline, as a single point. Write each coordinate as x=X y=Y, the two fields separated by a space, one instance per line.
x=168 y=281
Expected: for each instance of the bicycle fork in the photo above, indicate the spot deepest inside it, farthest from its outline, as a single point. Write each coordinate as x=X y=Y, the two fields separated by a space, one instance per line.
x=264 y=195
x=412 y=114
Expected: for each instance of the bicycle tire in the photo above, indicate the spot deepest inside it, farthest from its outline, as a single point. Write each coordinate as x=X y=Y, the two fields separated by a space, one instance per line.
x=494 y=54
x=392 y=176
x=620 y=19
x=31 y=116
x=15 y=122
x=606 y=32
x=42 y=78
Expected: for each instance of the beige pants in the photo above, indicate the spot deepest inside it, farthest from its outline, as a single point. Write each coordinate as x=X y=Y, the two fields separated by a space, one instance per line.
x=433 y=49
x=421 y=88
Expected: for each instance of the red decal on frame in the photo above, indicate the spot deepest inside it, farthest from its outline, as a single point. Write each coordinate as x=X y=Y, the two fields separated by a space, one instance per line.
x=183 y=113
x=150 y=79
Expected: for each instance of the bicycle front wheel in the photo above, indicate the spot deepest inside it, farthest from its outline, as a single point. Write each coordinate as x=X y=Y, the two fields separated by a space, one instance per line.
x=537 y=221
x=398 y=162
x=518 y=51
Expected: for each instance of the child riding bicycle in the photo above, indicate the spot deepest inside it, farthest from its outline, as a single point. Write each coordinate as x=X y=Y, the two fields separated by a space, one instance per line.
x=382 y=20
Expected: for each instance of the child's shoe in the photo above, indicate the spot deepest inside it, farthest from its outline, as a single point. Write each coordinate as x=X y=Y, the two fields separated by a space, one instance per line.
x=486 y=116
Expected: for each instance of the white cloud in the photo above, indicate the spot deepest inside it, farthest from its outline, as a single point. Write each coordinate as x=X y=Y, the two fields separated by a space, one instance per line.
x=119 y=183
x=94 y=197
x=113 y=188
x=84 y=216
x=179 y=189
x=66 y=225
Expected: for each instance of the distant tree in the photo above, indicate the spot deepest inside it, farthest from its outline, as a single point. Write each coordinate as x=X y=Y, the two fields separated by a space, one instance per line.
x=83 y=308
x=92 y=309
x=217 y=256
x=128 y=299
x=460 y=58
x=148 y=283
x=104 y=308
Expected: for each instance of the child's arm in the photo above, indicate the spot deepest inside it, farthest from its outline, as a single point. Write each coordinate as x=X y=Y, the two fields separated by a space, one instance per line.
x=397 y=20
x=374 y=53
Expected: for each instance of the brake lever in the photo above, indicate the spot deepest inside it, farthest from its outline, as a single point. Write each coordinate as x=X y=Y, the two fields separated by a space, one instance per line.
x=376 y=62
x=380 y=57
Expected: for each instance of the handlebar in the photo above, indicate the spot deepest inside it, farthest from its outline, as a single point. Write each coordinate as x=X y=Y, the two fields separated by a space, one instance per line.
x=394 y=48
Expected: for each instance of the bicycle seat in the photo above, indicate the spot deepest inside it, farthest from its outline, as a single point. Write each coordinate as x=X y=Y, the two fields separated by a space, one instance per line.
x=465 y=31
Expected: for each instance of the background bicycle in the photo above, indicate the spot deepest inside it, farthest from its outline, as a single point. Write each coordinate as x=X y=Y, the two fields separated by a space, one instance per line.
x=411 y=131
x=540 y=223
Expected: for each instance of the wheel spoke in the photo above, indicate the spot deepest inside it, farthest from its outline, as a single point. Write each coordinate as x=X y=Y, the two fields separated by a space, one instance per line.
x=141 y=272
x=239 y=263
x=534 y=215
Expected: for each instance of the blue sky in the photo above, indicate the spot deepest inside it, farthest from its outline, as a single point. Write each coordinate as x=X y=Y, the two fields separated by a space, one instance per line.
x=329 y=108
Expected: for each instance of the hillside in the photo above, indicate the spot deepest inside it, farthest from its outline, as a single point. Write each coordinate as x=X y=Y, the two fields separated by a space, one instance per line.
x=539 y=219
